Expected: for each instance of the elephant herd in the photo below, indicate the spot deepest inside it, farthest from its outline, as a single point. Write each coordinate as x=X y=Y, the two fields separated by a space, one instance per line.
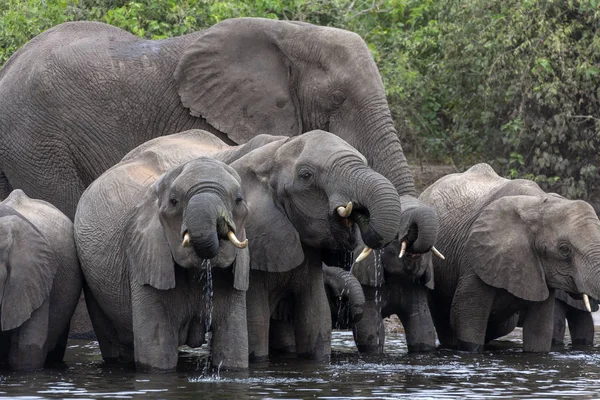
x=210 y=188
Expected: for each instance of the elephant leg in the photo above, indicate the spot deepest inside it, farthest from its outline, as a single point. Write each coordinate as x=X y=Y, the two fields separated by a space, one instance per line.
x=312 y=315
x=440 y=314
x=470 y=312
x=538 y=325
x=259 y=315
x=581 y=327
x=27 y=350
x=416 y=318
x=57 y=354
x=560 y=315
x=282 y=337
x=155 y=335
x=229 y=345
x=369 y=332
x=110 y=347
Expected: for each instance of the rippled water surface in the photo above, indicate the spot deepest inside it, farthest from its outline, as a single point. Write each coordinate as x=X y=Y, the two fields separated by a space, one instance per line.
x=506 y=372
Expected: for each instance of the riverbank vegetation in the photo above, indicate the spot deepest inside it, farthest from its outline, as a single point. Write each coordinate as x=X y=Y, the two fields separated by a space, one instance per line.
x=515 y=83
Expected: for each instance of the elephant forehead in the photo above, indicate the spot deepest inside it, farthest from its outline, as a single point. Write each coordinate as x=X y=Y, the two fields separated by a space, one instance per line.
x=327 y=146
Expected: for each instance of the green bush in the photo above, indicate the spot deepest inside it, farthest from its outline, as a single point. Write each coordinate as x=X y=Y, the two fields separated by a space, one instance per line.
x=511 y=82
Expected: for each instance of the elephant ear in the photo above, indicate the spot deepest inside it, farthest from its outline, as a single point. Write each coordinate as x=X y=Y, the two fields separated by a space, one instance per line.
x=27 y=270
x=236 y=77
x=147 y=248
x=273 y=241
x=501 y=250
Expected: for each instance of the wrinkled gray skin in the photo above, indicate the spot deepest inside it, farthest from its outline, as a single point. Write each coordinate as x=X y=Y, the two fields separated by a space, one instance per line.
x=346 y=302
x=394 y=286
x=293 y=187
x=77 y=97
x=508 y=246
x=40 y=281
x=146 y=292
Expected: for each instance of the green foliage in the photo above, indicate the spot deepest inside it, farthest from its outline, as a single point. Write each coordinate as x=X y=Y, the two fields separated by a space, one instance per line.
x=511 y=82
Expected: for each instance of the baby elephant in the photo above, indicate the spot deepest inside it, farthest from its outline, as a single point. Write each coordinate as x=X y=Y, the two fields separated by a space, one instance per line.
x=508 y=247
x=162 y=249
x=40 y=281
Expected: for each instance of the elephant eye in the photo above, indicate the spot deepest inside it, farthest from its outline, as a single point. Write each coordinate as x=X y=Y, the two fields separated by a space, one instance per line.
x=173 y=201
x=337 y=98
x=239 y=199
x=305 y=174
x=565 y=250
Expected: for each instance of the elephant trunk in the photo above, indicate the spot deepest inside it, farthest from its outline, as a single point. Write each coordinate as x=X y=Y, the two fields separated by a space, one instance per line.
x=206 y=220
x=378 y=208
x=591 y=279
x=343 y=283
x=421 y=225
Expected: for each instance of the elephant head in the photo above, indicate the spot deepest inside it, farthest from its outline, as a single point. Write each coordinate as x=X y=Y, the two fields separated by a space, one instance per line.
x=313 y=190
x=27 y=268
x=192 y=213
x=527 y=244
x=286 y=78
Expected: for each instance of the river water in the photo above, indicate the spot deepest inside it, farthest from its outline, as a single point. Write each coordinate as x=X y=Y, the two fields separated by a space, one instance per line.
x=505 y=372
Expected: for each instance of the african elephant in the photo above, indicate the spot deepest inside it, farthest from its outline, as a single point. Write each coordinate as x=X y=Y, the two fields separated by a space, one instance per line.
x=79 y=96
x=579 y=319
x=394 y=285
x=508 y=247
x=41 y=281
x=297 y=190
x=161 y=242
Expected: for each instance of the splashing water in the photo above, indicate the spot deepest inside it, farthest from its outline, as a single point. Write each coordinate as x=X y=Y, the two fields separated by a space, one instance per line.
x=378 y=266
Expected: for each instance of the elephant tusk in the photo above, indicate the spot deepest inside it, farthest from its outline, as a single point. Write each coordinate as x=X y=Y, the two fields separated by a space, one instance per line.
x=233 y=239
x=402 y=249
x=437 y=253
x=186 y=240
x=586 y=301
x=364 y=254
x=344 y=212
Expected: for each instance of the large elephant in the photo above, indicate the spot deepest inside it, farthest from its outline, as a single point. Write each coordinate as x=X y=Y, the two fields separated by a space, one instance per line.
x=40 y=281
x=509 y=246
x=297 y=190
x=79 y=96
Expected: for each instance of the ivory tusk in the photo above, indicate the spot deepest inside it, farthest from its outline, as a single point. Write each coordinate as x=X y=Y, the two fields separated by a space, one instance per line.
x=364 y=254
x=344 y=212
x=437 y=253
x=402 y=249
x=186 y=240
x=586 y=301
x=233 y=239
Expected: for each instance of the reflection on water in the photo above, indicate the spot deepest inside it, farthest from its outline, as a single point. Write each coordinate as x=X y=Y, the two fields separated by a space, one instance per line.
x=505 y=372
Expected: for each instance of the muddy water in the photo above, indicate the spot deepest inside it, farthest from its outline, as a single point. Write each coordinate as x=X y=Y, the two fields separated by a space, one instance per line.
x=506 y=372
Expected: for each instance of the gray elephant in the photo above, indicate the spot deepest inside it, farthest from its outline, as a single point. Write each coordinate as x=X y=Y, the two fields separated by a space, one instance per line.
x=509 y=246
x=40 y=281
x=161 y=242
x=394 y=285
x=79 y=96
x=579 y=319
x=297 y=190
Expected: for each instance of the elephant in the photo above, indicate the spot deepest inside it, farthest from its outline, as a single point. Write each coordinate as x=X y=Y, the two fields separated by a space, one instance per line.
x=509 y=247
x=346 y=302
x=580 y=321
x=394 y=285
x=40 y=282
x=76 y=98
x=306 y=194
x=161 y=241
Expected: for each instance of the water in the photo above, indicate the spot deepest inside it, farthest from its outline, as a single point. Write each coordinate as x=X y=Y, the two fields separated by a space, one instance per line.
x=505 y=373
